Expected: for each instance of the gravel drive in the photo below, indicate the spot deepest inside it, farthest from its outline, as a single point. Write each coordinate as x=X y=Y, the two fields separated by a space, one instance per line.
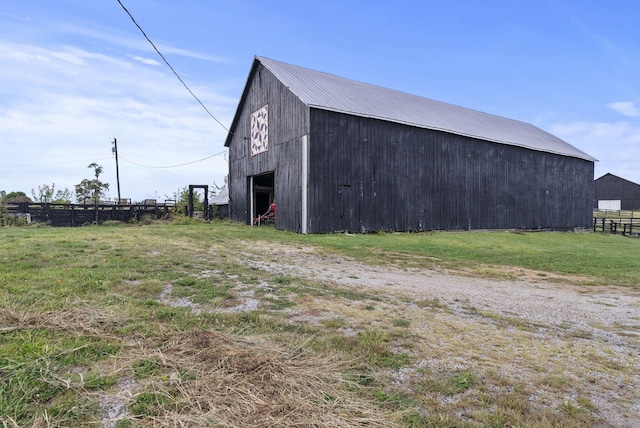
x=598 y=310
x=606 y=316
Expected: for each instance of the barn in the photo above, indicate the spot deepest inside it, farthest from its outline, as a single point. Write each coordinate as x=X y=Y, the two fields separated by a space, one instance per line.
x=336 y=154
x=615 y=193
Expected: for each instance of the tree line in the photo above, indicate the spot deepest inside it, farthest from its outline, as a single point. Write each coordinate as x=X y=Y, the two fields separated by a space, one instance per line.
x=91 y=189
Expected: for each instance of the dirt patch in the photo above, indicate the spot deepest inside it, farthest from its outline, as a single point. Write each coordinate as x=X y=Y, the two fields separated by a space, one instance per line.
x=114 y=403
x=181 y=302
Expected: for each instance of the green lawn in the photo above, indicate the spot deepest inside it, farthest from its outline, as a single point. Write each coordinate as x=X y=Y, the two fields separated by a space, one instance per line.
x=605 y=259
x=84 y=314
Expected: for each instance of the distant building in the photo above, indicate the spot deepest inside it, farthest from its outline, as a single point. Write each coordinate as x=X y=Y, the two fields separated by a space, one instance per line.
x=340 y=155
x=611 y=192
x=221 y=203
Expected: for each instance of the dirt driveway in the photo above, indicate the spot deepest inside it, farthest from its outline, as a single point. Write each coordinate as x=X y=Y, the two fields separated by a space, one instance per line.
x=610 y=313
x=577 y=328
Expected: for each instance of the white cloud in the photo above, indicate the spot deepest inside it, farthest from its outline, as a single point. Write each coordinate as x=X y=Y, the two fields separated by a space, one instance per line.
x=610 y=131
x=61 y=108
x=614 y=144
x=602 y=131
x=136 y=41
x=626 y=108
x=570 y=128
x=147 y=61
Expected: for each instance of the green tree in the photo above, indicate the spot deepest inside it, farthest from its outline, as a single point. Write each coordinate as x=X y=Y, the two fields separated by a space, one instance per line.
x=48 y=193
x=44 y=194
x=92 y=188
x=181 y=196
x=14 y=197
x=63 y=196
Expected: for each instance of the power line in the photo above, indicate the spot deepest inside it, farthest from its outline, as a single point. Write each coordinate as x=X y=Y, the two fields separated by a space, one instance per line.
x=172 y=166
x=172 y=69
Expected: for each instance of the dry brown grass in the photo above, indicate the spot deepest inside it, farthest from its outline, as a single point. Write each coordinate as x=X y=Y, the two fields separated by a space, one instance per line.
x=210 y=378
x=217 y=379
x=80 y=318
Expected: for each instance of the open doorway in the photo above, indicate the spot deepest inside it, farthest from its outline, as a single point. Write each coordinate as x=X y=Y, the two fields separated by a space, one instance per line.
x=205 y=203
x=261 y=193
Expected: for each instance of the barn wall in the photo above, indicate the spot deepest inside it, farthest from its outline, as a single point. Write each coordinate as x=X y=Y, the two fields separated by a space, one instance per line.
x=369 y=175
x=288 y=119
x=611 y=187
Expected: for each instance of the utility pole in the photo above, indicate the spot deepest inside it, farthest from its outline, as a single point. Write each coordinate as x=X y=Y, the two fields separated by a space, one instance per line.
x=114 y=149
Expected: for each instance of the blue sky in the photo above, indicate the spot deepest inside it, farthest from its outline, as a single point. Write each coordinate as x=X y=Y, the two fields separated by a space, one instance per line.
x=75 y=74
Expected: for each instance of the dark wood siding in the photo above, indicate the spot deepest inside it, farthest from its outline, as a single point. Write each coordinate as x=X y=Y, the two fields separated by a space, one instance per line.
x=288 y=122
x=370 y=175
x=611 y=187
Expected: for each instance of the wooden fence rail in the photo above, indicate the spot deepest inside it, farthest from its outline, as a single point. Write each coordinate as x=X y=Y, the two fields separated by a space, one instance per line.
x=620 y=225
x=71 y=215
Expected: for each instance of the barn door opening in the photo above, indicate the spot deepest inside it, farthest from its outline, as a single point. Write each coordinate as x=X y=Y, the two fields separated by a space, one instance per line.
x=261 y=194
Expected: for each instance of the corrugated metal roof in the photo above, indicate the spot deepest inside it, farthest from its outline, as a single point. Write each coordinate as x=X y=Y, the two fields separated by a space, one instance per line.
x=329 y=92
x=221 y=198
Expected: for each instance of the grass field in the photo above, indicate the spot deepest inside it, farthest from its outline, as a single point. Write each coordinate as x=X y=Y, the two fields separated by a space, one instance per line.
x=122 y=326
